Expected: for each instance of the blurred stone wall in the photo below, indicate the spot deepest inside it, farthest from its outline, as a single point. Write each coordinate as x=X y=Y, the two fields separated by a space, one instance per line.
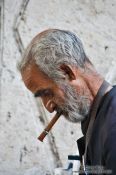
x=22 y=118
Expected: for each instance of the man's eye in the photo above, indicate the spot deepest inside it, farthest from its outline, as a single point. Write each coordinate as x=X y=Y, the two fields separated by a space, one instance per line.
x=43 y=93
x=47 y=93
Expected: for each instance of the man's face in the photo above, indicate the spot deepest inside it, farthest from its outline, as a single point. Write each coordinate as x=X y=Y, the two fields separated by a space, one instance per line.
x=75 y=106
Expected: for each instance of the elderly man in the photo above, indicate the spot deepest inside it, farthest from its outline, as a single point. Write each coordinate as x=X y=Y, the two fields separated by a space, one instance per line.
x=56 y=68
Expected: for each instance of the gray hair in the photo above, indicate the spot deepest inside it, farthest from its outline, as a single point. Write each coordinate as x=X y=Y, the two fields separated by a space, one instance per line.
x=52 y=49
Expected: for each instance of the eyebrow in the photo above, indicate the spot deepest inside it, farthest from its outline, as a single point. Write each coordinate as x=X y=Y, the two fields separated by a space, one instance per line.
x=43 y=92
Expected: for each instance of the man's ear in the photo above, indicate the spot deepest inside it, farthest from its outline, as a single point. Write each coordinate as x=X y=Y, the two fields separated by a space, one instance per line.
x=68 y=71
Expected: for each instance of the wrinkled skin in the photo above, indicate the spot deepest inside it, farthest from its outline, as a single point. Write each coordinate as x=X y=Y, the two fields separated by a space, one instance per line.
x=73 y=95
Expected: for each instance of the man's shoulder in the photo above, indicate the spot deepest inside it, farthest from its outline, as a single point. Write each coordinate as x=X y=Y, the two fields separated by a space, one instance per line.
x=110 y=98
x=110 y=112
x=108 y=107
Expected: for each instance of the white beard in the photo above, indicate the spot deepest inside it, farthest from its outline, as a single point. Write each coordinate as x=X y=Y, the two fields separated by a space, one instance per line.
x=75 y=107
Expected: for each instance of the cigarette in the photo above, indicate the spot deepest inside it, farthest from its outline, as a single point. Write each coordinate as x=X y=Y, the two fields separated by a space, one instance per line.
x=49 y=126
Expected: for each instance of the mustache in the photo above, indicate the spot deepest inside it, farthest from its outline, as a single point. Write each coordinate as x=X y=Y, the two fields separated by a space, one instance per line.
x=59 y=109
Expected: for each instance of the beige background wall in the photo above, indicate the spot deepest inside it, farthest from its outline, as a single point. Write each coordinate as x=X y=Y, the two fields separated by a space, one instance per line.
x=21 y=116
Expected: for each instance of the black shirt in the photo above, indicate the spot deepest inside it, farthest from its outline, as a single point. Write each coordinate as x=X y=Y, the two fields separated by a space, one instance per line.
x=101 y=152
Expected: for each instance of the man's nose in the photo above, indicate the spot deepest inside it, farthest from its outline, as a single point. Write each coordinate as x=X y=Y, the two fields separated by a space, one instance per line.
x=50 y=105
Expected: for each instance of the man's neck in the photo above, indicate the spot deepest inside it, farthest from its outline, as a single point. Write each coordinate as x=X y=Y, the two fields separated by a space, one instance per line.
x=94 y=81
x=94 y=84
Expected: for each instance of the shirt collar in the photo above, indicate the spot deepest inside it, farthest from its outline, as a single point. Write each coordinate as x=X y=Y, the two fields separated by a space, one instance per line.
x=96 y=102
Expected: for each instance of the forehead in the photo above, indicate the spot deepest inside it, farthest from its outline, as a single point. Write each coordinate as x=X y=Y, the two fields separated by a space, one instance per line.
x=35 y=79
